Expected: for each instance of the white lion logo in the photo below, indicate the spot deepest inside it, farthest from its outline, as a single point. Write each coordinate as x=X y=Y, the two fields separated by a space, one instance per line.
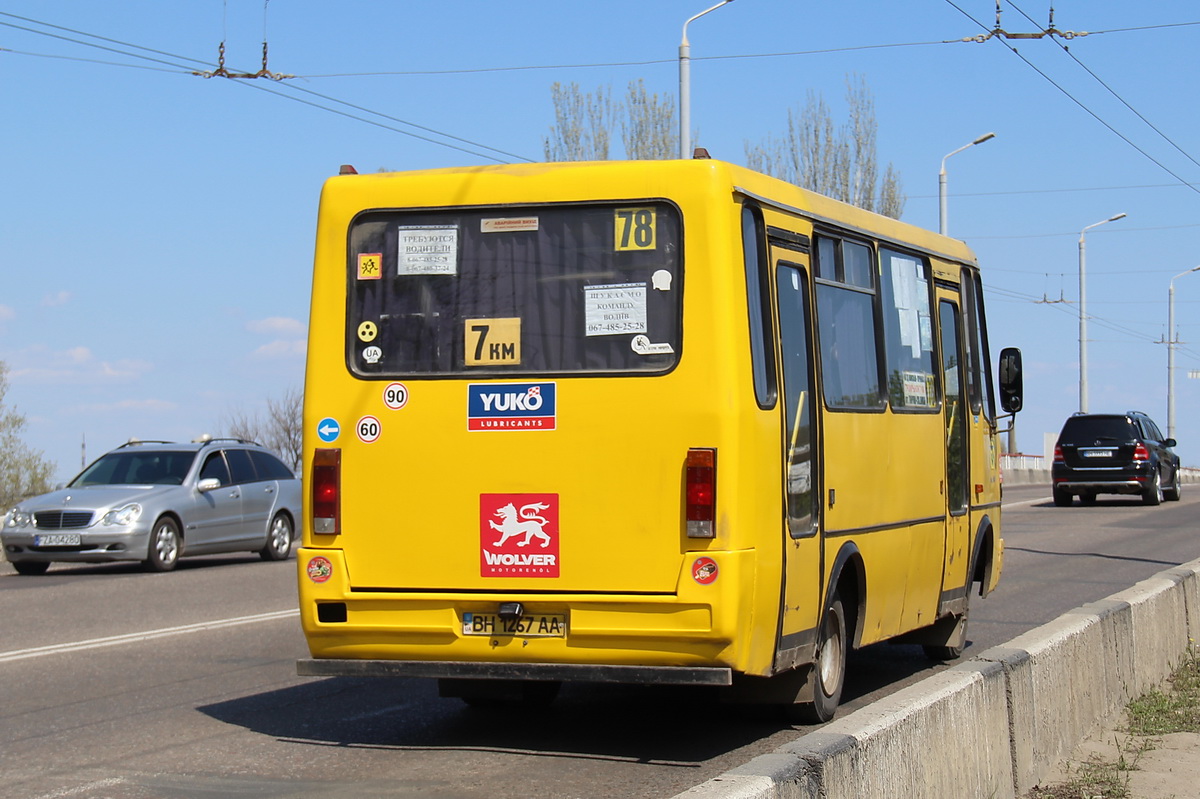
x=526 y=521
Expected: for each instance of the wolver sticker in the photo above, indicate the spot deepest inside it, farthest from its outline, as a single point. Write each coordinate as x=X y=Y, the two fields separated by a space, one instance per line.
x=518 y=535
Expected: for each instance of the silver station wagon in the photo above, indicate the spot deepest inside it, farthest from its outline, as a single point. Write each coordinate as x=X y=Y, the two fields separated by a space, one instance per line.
x=155 y=502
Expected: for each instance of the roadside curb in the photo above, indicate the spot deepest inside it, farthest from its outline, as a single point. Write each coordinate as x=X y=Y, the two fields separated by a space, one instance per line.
x=993 y=726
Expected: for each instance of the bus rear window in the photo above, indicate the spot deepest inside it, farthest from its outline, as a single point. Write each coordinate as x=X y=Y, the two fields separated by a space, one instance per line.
x=536 y=289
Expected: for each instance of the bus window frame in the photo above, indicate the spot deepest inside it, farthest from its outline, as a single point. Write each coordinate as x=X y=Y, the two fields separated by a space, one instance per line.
x=936 y=403
x=758 y=306
x=502 y=373
x=821 y=233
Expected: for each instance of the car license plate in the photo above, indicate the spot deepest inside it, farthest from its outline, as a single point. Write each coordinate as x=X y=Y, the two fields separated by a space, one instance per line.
x=536 y=625
x=57 y=540
x=1095 y=453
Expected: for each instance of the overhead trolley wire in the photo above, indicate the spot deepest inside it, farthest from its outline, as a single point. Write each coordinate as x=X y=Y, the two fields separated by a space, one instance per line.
x=189 y=70
x=1112 y=91
x=1079 y=103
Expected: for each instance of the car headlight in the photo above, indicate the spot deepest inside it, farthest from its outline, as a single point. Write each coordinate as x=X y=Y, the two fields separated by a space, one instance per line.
x=18 y=518
x=123 y=516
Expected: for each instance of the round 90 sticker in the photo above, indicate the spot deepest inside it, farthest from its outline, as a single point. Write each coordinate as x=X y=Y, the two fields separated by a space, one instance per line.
x=367 y=429
x=395 y=396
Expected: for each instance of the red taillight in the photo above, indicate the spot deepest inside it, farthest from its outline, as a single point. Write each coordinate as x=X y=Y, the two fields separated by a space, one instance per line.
x=1058 y=456
x=701 y=488
x=1140 y=453
x=326 y=491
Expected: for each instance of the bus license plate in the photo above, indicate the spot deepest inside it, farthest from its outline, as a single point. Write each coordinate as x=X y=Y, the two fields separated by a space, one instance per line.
x=537 y=625
x=57 y=540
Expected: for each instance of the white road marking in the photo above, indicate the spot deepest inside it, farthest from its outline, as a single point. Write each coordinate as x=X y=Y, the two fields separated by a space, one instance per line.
x=111 y=782
x=149 y=635
x=1025 y=502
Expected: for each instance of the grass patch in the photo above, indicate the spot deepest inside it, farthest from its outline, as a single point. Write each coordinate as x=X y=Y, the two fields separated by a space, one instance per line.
x=1173 y=708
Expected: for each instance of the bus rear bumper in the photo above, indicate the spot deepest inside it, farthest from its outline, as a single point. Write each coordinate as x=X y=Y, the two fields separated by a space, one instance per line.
x=565 y=672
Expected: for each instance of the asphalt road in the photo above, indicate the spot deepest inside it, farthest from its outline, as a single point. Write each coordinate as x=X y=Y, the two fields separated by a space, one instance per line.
x=122 y=684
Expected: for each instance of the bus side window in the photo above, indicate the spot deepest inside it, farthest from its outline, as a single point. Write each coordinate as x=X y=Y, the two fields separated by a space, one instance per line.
x=846 y=325
x=799 y=444
x=762 y=354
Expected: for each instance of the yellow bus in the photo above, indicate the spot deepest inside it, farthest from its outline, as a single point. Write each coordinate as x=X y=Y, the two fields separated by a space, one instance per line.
x=666 y=422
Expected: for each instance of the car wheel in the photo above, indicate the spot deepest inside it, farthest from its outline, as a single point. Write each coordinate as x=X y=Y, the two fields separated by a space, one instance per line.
x=279 y=539
x=1153 y=494
x=1062 y=498
x=829 y=670
x=1171 y=492
x=165 y=545
x=31 y=567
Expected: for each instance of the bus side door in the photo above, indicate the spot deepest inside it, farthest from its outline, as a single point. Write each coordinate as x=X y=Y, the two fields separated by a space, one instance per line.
x=953 y=365
x=802 y=567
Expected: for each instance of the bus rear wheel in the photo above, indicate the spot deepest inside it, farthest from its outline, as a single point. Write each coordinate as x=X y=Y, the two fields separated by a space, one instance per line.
x=829 y=669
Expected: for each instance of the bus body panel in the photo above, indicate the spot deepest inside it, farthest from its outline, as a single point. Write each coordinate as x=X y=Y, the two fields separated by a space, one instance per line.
x=422 y=496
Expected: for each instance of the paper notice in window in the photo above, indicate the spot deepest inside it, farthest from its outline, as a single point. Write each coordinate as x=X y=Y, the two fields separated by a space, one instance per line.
x=615 y=309
x=427 y=250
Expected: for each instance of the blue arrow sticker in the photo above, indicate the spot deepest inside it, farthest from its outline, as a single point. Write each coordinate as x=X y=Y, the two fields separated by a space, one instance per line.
x=329 y=429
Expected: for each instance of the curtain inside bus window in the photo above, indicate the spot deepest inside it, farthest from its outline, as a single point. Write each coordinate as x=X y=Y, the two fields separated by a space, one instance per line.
x=908 y=331
x=514 y=290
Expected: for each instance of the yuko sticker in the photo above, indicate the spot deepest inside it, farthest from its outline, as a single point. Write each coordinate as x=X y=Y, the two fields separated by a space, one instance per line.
x=704 y=571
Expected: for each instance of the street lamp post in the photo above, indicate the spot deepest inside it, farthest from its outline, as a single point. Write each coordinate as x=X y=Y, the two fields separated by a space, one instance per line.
x=1083 y=387
x=685 y=85
x=942 y=180
x=1172 y=342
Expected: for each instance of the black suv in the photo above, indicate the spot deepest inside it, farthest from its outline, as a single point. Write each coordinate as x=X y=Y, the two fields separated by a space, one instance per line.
x=1114 y=453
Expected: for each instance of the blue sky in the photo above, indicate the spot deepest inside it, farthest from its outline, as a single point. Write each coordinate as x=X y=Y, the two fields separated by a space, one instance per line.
x=156 y=227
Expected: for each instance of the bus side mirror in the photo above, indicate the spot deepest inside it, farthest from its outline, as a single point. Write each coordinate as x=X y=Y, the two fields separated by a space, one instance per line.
x=1011 y=387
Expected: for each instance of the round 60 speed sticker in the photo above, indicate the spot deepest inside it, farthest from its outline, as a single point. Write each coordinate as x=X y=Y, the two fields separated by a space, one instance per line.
x=367 y=429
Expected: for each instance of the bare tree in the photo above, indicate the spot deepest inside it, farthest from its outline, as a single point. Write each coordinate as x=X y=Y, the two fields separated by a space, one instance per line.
x=280 y=429
x=583 y=123
x=24 y=471
x=840 y=162
x=648 y=128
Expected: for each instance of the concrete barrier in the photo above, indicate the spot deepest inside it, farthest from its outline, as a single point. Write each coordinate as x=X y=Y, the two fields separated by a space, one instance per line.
x=993 y=726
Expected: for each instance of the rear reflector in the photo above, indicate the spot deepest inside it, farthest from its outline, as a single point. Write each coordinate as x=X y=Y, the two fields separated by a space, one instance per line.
x=701 y=488
x=326 y=491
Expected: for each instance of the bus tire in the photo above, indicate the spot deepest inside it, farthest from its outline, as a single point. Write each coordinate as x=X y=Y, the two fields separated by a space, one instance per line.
x=956 y=639
x=828 y=671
